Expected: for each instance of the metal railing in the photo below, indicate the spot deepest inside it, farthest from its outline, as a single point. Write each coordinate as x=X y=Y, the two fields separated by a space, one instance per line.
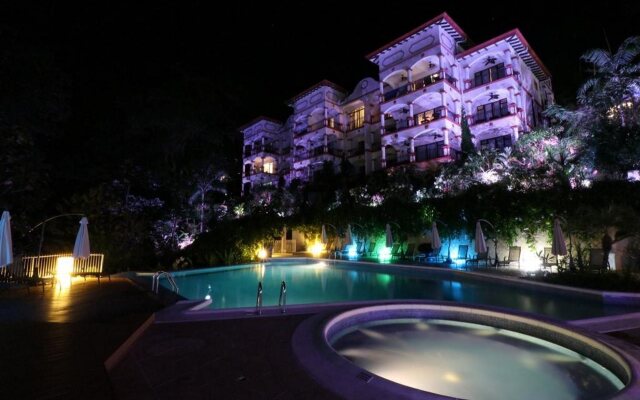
x=155 y=283
x=45 y=266
x=282 y=300
x=259 y=299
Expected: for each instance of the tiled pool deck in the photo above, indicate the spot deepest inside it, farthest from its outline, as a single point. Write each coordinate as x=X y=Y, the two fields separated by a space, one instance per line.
x=55 y=345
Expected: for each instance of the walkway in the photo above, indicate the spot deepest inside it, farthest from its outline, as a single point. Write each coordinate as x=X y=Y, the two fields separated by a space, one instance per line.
x=53 y=345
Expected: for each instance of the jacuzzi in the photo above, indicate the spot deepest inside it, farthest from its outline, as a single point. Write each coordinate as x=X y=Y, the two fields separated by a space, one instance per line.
x=445 y=350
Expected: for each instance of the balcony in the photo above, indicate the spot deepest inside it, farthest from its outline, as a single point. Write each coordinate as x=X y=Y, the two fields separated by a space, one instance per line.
x=484 y=81
x=421 y=118
x=493 y=111
x=258 y=171
x=418 y=84
x=267 y=149
x=318 y=152
x=326 y=123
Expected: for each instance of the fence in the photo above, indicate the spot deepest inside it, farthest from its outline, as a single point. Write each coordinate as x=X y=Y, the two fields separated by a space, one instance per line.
x=46 y=265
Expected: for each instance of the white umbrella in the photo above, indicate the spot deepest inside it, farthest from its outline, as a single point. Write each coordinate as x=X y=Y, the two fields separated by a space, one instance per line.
x=347 y=237
x=480 y=244
x=389 y=237
x=81 y=248
x=324 y=239
x=435 y=237
x=558 y=245
x=6 y=245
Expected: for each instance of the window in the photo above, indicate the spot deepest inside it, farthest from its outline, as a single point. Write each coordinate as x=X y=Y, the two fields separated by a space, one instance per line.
x=269 y=167
x=489 y=75
x=247 y=150
x=497 y=143
x=429 y=151
x=247 y=170
x=356 y=119
x=496 y=109
x=428 y=116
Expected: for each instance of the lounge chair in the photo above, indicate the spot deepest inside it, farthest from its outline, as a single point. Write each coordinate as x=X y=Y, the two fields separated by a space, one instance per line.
x=396 y=250
x=596 y=257
x=514 y=257
x=409 y=253
x=463 y=250
x=480 y=257
x=373 y=250
x=423 y=252
x=548 y=259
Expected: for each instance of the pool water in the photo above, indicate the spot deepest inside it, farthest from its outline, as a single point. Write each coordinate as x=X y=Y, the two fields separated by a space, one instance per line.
x=472 y=361
x=311 y=281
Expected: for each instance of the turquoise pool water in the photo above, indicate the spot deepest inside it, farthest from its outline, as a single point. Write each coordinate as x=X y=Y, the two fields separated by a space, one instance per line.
x=310 y=281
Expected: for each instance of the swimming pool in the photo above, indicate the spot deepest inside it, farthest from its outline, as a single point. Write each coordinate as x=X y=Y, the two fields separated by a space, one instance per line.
x=311 y=281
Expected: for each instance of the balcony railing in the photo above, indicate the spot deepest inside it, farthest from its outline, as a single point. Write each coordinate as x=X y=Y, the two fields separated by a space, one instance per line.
x=492 y=114
x=417 y=85
x=421 y=118
x=326 y=123
x=474 y=83
x=317 y=152
x=267 y=148
x=257 y=171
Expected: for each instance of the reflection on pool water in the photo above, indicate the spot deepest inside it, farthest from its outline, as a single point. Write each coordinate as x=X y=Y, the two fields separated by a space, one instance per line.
x=473 y=361
x=312 y=281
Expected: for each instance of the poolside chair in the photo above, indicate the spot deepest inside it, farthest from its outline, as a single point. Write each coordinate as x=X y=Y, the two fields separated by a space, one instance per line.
x=595 y=260
x=548 y=259
x=374 y=249
x=340 y=252
x=514 y=257
x=409 y=253
x=423 y=252
x=463 y=250
x=396 y=250
x=480 y=257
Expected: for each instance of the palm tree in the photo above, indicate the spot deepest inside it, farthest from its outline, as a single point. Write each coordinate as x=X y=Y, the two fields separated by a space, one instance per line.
x=206 y=181
x=615 y=85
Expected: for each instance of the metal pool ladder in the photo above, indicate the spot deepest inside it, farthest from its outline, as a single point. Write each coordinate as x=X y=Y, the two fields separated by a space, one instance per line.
x=259 y=299
x=282 y=301
x=155 y=283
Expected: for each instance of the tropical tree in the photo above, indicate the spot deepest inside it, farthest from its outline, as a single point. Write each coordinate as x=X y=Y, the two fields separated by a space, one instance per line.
x=206 y=181
x=607 y=117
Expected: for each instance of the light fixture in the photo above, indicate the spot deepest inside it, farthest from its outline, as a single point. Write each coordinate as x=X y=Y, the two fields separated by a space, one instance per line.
x=64 y=268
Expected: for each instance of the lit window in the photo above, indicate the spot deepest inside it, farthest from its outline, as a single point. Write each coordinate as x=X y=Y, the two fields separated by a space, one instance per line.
x=269 y=168
x=356 y=118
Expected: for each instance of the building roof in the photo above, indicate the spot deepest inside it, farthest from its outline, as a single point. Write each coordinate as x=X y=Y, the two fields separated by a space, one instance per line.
x=444 y=20
x=322 y=83
x=521 y=46
x=258 y=119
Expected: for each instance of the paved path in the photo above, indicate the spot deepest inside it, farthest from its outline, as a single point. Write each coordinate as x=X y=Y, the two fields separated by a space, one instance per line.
x=225 y=359
x=53 y=345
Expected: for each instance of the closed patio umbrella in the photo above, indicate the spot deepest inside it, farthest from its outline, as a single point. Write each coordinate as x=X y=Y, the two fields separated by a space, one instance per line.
x=324 y=238
x=347 y=237
x=389 y=236
x=6 y=245
x=480 y=244
x=81 y=248
x=436 y=244
x=558 y=245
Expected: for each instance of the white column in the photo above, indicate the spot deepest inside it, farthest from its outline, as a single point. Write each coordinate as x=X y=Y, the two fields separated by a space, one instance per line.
x=412 y=150
x=326 y=144
x=445 y=134
x=443 y=97
x=467 y=78
x=381 y=123
x=441 y=65
x=516 y=134
x=410 y=75
x=383 y=154
x=411 y=120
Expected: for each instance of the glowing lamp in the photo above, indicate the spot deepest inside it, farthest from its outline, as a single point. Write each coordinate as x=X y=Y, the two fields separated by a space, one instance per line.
x=316 y=249
x=64 y=268
x=353 y=251
x=262 y=253
x=385 y=254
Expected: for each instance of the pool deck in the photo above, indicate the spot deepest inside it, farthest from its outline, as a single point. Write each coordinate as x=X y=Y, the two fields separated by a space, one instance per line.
x=53 y=345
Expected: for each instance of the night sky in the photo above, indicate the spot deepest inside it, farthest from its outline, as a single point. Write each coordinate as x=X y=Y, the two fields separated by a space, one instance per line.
x=264 y=54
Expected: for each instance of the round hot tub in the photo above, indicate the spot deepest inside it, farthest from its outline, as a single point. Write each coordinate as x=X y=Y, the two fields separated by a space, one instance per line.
x=443 y=351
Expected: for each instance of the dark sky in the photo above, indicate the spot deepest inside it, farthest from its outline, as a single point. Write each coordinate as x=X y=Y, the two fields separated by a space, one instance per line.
x=262 y=54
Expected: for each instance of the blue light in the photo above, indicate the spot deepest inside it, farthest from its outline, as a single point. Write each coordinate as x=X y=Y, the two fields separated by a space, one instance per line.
x=353 y=251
